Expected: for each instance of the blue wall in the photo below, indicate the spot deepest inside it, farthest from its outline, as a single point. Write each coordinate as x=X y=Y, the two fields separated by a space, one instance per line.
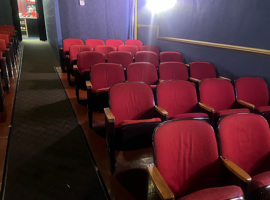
x=243 y=23
x=5 y=12
x=106 y=19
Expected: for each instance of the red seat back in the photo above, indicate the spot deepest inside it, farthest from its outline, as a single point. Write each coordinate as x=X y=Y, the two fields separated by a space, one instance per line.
x=136 y=43
x=3 y=46
x=253 y=90
x=202 y=70
x=150 y=48
x=147 y=56
x=119 y=57
x=88 y=58
x=245 y=140
x=94 y=42
x=142 y=71
x=70 y=41
x=186 y=155
x=104 y=75
x=173 y=70
x=131 y=101
x=105 y=49
x=217 y=93
x=6 y=38
x=128 y=48
x=114 y=42
x=170 y=56
x=177 y=97
x=75 y=49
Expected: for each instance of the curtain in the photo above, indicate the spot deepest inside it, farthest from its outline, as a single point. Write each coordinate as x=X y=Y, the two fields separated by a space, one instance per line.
x=131 y=27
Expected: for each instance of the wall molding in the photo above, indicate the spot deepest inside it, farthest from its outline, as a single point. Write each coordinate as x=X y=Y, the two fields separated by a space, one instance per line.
x=208 y=44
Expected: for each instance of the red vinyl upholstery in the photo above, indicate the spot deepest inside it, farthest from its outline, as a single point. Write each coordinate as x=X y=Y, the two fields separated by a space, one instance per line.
x=128 y=48
x=104 y=75
x=88 y=58
x=120 y=57
x=147 y=56
x=150 y=48
x=142 y=71
x=202 y=70
x=69 y=42
x=186 y=156
x=136 y=43
x=94 y=42
x=245 y=140
x=170 y=56
x=114 y=42
x=173 y=71
x=253 y=90
x=105 y=49
x=179 y=99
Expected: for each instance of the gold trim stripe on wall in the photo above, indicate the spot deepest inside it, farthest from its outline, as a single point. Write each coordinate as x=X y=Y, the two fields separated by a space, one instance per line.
x=209 y=44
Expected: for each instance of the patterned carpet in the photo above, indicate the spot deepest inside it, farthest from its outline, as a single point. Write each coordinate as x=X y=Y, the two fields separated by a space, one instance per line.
x=48 y=157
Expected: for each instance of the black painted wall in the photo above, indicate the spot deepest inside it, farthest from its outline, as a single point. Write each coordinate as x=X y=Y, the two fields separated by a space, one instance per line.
x=5 y=12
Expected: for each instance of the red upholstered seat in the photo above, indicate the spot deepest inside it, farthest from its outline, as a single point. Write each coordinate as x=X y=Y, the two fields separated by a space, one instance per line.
x=128 y=48
x=186 y=156
x=131 y=118
x=69 y=42
x=94 y=42
x=136 y=43
x=147 y=56
x=179 y=99
x=231 y=111
x=6 y=53
x=202 y=70
x=105 y=49
x=173 y=71
x=73 y=52
x=85 y=60
x=219 y=95
x=120 y=57
x=245 y=140
x=142 y=71
x=170 y=56
x=150 y=48
x=114 y=42
x=102 y=76
x=254 y=90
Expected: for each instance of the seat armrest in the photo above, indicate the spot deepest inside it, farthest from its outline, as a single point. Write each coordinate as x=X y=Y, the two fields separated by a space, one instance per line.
x=109 y=115
x=194 y=80
x=160 y=185
x=188 y=65
x=246 y=104
x=88 y=85
x=206 y=107
x=75 y=67
x=161 y=111
x=235 y=169
x=225 y=78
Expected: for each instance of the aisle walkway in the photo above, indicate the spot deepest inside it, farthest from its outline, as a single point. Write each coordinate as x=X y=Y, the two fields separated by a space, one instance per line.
x=48 y=157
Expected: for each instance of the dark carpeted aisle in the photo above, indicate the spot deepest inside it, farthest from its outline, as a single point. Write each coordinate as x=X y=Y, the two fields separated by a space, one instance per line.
x=48 y=157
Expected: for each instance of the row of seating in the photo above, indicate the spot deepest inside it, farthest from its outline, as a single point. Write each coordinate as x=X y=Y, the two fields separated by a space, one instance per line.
x=189 y=162
x=9 y=58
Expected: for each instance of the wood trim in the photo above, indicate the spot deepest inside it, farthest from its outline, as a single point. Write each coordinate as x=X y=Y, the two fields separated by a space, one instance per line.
x=209 y=44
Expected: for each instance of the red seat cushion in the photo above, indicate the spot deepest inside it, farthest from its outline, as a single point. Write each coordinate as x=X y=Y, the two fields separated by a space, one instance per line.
x=173 y=70
x=231 y=111
x=262 y=109
x=189 y=115
x=217 y=193
x=260 y=180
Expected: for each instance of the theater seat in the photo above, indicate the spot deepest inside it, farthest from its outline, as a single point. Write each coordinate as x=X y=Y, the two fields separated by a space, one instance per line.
x=147 y=56
x=245 y=149
x=4 y=72
x=94 y=42
x=120 y=57
x=114 y=42
x=187 y=165
x=136 y=43
x=131 y=118
x=173 y=71
x=128 y=48
x=152 y=48
x=170 y=56
x=105 y=49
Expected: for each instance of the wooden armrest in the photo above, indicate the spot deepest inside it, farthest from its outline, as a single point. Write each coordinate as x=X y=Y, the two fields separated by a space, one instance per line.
x=161 y=186
x=161 y=111
x=246 y=104
x=194 y=79
x=88 y=85
x=61 y=48
x=75 y=67
x=206 y=107
x=109 y=115
x=67 y=57
x=225 y=78
x=235 y=169
x=188 y=65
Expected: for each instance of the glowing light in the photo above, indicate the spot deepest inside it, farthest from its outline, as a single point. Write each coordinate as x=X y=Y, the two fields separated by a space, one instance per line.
x=157 y=6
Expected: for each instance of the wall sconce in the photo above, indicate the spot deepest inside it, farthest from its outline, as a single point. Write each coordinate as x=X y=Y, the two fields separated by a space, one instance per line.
x=82 y=2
